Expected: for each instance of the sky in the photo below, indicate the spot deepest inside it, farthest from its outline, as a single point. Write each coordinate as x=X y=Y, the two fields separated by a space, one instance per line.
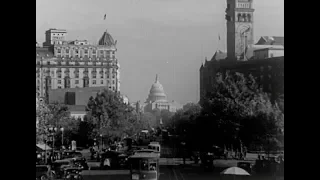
x=170 y=38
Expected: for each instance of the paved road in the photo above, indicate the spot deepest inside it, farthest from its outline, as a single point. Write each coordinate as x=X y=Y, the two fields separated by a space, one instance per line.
x=168 y=173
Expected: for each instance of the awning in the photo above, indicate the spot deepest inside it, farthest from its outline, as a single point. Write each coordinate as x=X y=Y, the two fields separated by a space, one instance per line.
x=43 y=147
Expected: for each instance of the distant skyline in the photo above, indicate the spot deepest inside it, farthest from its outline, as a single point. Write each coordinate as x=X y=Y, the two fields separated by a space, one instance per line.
x=151 y=33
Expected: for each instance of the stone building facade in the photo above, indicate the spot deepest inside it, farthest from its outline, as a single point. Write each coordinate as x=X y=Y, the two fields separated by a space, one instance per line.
x=76 y=64
x=268 y=71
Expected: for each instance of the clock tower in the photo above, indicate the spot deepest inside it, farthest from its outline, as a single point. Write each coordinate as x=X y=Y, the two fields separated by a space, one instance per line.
x=239 y=16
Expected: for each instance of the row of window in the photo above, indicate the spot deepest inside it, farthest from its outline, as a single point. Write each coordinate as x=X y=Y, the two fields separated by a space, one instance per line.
x=86 y=51
x=84 y=56
x=93 y=82
x=60 y=87
x=77 y=75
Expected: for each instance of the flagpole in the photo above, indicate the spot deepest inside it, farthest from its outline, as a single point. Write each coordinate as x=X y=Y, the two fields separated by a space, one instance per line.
x=218 y=42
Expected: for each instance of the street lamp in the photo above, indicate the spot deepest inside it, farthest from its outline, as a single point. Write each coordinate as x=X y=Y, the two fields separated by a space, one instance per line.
x=52 y=131
x=101 y=141
x=61 y=129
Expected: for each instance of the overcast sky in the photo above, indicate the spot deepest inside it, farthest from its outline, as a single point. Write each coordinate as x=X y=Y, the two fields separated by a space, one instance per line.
x=151 y=33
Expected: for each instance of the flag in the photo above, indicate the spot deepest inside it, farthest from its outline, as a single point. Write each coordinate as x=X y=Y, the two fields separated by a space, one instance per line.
x=105 y=17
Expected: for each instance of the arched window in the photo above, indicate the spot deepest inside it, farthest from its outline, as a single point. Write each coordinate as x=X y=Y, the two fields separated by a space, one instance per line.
x=239 y=17
x=244 y=17
x=249 y=17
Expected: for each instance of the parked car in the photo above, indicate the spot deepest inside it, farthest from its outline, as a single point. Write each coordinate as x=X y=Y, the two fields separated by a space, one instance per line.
x=113 y=159
x=71 y=154
x=43 y=172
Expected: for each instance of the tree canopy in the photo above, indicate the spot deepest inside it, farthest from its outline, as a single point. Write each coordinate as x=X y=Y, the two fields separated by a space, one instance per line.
x=236 y=110
x=109 y=115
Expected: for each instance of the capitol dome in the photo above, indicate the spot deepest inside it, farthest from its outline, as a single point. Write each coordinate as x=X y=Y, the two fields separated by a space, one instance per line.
x=156 y=92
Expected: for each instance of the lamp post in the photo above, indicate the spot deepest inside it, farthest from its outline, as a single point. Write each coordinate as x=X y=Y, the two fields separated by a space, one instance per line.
x=101 y=141
x=53 y=130
x=62 y=130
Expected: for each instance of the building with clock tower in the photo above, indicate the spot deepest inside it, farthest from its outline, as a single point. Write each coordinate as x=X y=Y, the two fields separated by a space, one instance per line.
x=239 y=16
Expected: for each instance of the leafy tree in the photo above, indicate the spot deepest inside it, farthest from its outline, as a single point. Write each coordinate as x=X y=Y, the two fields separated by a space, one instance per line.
x=42 y=120
x=238 y=109
x=148 y=120
x=109 y=115
x=166 y=115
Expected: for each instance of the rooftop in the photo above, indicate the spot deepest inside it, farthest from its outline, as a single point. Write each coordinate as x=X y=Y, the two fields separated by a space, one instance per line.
x=271 y=40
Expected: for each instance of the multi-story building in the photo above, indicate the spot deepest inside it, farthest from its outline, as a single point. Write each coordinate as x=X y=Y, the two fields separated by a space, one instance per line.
x=268 y=70
x=268 y=52
x=76 y=64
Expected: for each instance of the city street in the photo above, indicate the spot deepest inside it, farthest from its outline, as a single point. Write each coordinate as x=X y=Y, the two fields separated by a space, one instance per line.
x=168 y=172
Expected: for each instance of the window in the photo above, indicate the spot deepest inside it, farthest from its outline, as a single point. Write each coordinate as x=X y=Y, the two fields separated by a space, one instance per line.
x=108 y=82
x=86 y=51
x=101 y=82
x=67 y=51
x=94 y=82
x=94 y=51
x=101 y=76
x=94 y=76
x=113 y=76
x=108 y=76
x=113 y=88
x=59 y=50
x=76 y=82
x=77 y=51
x=59 y=75
x=59 y=81
x=59 y=87
x=113 y=82
x=152 y=166
x=144 y=165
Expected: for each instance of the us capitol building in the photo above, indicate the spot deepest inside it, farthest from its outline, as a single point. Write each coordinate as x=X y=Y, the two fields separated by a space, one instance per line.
x=62 y=64
x=157 y=99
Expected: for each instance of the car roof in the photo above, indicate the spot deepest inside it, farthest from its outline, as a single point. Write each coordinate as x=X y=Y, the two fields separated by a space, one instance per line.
x=144 y=155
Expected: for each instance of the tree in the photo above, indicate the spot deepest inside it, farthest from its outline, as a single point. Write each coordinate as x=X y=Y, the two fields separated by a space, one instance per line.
x=148 y=120
x=109 y=115
x=165 y=116
x=42 y=120
x=238 y=109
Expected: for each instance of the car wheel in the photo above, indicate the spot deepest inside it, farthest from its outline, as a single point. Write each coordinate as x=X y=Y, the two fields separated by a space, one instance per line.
x=43 y=177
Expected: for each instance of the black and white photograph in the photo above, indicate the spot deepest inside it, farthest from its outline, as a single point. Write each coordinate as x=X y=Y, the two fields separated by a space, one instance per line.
x=159 y=89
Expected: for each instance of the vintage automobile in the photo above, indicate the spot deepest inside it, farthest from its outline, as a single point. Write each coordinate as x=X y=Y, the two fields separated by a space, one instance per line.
x=58 y=167
x=71 y=154
x=113 y=159
x=207 y=160
x=72 y=173
x=81 y=162
x=43 y=172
